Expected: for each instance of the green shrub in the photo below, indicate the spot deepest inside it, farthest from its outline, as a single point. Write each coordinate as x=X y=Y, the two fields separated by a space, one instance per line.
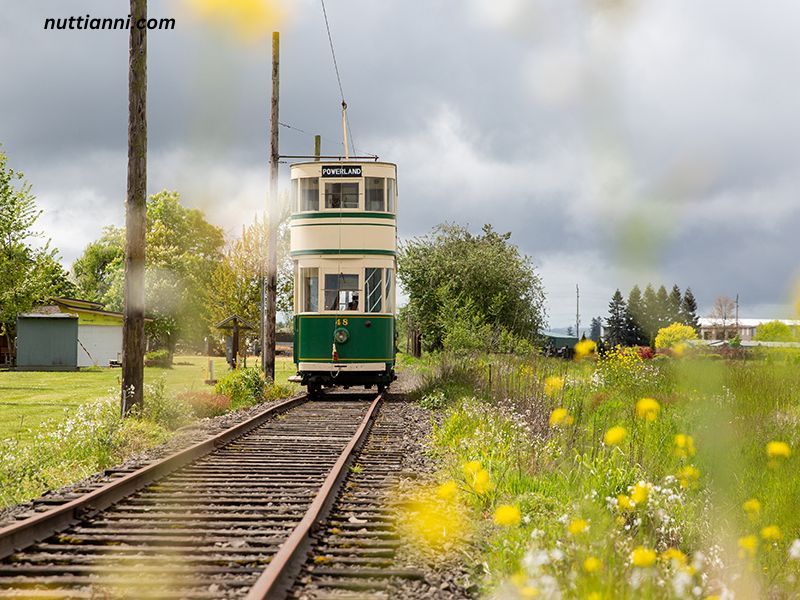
x=435 y=400
x=168 y=411
x=244 y=387
x=157 y=358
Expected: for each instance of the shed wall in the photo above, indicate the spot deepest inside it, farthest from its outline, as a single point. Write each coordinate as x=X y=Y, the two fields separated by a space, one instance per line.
x=47 y=344
x=99 y=344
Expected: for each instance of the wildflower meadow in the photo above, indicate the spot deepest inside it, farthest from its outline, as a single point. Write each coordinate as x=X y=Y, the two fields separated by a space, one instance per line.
x=626 y=475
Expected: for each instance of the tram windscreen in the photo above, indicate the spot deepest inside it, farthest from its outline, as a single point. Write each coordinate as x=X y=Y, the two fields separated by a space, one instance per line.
x=372 y=289
x=309 y=193
x=341 y=195
x=341 y=292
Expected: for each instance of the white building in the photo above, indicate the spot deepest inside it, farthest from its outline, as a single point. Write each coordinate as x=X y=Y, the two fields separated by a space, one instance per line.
x=712 y=328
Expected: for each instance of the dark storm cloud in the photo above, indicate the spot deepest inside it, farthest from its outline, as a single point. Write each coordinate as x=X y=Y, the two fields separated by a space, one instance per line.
x=545 y=118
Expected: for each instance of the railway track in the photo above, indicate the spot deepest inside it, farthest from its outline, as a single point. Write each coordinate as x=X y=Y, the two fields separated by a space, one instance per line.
x=232 y=517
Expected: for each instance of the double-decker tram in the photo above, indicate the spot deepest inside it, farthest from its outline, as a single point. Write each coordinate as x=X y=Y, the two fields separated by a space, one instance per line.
x=344 y=243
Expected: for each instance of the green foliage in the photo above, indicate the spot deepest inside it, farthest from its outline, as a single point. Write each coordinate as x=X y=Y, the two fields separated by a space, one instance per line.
x=435 y=400
x=775 y=331
x=183 y=250
x=674 y=334
x=164 y=409
x=205 y=403
x=483 y=275
x=29 y=273
x=244 y=387
x=158 y=358
x=638 y=322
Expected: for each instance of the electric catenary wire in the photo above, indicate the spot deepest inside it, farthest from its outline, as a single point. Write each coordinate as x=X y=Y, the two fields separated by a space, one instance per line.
x=338 y=77
x=326 y=139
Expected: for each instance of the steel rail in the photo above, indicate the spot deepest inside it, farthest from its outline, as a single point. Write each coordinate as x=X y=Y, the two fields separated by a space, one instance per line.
x=276 y=580
x=38 y=527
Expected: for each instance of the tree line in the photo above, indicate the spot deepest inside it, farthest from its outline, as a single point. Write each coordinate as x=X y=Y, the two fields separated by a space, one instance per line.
x=636 y=322
x=194 y=277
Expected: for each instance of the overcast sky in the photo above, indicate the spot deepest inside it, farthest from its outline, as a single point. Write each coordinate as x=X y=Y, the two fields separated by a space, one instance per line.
x=619 y=142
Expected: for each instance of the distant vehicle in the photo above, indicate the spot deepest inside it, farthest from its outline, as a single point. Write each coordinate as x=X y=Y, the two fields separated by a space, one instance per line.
x=344 y=245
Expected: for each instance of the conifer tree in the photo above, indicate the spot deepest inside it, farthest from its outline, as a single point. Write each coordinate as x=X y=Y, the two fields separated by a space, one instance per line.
x=650 y=313
x=596 y=329
x=635 y=313
x=662 y=310
x=616 y=324
x=674 y=312
x=689 y=309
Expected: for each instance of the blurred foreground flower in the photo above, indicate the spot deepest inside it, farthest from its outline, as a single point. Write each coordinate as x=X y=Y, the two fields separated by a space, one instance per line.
x=778 y=450
x=684 y=446
x=560 y=417
x=647 y=409
x=771 y=533
x=592 y=564
x=674 y=556
x=553 y=384
x=245 y=19
x=477 y=477
x=640 y=493
x=448 y=490
x=643 y=557
x=752 y=508
x=577 y=526
x=688 y=476
x=614 y=436
x=748 y=545
x=507 y=515
x=432 y=523
x=585 y=348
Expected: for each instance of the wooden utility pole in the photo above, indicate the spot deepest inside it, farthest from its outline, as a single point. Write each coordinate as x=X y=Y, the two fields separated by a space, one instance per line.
x=317 y=146
x=135 y=214
x=268 y=316
x=577 y=312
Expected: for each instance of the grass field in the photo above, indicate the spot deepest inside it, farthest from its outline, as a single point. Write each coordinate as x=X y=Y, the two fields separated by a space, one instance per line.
x=28 y=399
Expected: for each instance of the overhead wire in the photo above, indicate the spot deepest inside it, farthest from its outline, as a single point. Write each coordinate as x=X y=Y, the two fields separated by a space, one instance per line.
x=338 y=76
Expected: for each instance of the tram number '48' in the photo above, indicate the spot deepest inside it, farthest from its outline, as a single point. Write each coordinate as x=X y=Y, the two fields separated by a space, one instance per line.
x=341 y=322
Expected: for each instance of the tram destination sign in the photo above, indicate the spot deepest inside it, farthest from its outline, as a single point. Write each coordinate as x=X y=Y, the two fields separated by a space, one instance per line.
x=342 y=171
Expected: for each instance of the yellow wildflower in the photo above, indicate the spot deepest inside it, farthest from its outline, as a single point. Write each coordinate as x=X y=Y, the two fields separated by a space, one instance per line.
x=647 y=409
x=577 y=526
x=528 y=591
x=560 y=417
x=594 y=596
x=640 y=492
x=553 y=384
x=624 y=502
x=448 y=490
x=747 y=546
x=507 y=515
x=482 y=483
x=778 y=450
x=592 y=564
x=471 y=468
x=688 y=476
x=771 y=533
x=752 y=508
x=684 y=446
x=614 y=436
x=671 y=555
x=643 y=557
x=584 y=348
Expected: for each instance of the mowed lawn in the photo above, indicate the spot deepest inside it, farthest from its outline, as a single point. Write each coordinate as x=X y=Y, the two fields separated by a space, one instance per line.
x=28 y=398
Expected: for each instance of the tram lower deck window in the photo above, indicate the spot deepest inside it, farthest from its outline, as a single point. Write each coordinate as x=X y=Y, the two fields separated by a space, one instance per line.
x=341 y=292
x=309 y=289
x=373 y=278
x=341 y=195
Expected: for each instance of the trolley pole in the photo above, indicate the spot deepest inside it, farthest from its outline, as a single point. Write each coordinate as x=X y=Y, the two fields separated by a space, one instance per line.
x=271 y=279
x=135 y=216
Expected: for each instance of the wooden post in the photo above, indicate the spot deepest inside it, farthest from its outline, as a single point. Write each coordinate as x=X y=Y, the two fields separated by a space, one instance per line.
x=268 y=316
x=235 y=345
x=317 y=146
x=135 y=215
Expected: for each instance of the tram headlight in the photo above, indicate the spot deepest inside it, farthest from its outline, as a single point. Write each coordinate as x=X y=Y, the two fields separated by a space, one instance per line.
x=341 y=335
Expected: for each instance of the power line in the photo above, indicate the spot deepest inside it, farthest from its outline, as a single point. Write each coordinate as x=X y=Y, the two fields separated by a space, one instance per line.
x=327 y=139
x=338 y=76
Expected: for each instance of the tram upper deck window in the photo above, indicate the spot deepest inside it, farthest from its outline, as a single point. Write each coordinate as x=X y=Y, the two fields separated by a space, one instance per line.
x=309 y=289
x=308 y=193
x=372 y=289
x=341 y=292
x=374 y=194
x=341 y=195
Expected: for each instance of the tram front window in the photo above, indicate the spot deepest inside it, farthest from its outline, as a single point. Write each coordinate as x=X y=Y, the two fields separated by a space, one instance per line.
x=309 y=285
x=341 y=292
x=341 y=195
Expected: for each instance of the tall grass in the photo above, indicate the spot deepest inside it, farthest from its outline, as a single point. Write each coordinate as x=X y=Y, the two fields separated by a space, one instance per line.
x=639 y=515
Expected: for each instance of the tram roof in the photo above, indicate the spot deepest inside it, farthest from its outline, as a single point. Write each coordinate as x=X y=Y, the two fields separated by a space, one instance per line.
x=339 y=161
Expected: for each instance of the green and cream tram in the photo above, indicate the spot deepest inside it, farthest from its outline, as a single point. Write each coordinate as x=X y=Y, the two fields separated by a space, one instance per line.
x=344 y=243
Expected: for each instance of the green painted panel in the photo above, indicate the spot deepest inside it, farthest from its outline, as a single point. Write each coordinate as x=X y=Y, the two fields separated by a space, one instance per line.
x=373 y=343
x=346 y=215
x=342 y=251
x=47 y=343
